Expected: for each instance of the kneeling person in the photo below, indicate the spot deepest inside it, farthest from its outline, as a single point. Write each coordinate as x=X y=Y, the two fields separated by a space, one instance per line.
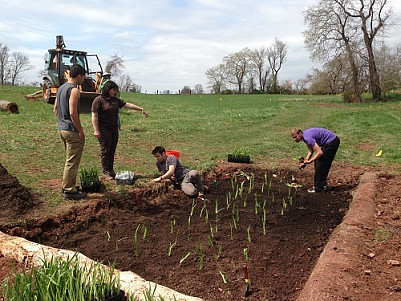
x=170 y=168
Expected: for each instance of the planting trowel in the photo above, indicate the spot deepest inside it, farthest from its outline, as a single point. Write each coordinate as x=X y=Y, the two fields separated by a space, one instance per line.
x=247 y=284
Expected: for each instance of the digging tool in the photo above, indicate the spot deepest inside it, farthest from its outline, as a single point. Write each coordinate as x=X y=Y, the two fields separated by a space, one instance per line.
x=247 y=286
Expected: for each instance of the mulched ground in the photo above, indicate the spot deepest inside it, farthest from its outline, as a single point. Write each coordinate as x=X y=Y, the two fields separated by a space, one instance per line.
x=279 y=262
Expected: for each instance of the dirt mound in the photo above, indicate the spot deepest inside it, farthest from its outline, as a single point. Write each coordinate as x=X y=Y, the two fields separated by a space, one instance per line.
x=15 y=199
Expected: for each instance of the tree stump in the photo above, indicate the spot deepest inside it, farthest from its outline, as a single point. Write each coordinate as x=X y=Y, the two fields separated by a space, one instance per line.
x=9 y=106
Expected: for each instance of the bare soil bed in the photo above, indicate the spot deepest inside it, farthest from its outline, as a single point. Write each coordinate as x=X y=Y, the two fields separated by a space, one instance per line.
x=279 y=262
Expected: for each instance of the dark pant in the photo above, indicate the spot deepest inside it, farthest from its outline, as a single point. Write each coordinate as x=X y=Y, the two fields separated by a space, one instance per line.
x=108 y=144
x=323 y=164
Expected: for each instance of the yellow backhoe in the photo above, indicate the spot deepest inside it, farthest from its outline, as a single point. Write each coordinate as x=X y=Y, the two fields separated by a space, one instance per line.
x=57 y=65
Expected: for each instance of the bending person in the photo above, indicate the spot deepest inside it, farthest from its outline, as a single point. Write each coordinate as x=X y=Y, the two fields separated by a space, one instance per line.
x=105 y=109
x=322 y=145
x=189 y=180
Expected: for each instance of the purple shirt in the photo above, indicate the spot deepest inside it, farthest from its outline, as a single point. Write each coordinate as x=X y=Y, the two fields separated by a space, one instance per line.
x=318 y=135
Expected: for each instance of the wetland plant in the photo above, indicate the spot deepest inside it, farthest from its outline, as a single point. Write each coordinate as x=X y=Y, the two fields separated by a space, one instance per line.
x=185 y=257
x=170 y=248
x=193 y=206
x=264 y=221
x=220 y=251
x=246 y=255
x=62 y=279
x=144 y=232
x=136 y=241
x=256 y=203
x=248 y=232
x=223 y=277
x=210 y=241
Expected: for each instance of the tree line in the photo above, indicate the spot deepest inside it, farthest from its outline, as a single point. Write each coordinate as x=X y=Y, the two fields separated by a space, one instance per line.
x=12 y=65
x=347 y=37
x=249 y=70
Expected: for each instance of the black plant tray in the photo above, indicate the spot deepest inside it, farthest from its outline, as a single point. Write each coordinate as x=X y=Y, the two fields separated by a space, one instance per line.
x=94 y=187
x=238 y=159
x=117 y=297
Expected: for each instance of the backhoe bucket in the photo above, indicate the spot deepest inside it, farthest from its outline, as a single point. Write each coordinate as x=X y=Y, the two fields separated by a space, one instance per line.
x=85 y=102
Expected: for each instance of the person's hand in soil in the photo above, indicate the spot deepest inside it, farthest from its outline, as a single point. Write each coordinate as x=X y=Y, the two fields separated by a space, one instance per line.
x=158 y=179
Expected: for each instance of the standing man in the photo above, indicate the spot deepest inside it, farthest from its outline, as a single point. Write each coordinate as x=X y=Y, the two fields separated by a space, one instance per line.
x=71 y=131
x=170 y=168
x=324 y=144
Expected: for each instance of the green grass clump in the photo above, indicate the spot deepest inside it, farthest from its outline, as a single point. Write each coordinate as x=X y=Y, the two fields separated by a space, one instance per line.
x=62 y=279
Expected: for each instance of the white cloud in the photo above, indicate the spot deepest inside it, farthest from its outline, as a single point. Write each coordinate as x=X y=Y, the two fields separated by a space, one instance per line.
x=166 y=44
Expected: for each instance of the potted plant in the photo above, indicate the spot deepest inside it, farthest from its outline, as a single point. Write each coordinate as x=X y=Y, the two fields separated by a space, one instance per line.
x=239 y=156
x=90 y=180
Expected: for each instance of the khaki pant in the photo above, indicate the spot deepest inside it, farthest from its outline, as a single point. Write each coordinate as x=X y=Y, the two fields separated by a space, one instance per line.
x=74 y=148
x=192 y=184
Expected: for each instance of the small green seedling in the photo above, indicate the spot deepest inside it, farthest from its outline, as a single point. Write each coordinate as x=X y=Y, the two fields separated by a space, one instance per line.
x=185 y=257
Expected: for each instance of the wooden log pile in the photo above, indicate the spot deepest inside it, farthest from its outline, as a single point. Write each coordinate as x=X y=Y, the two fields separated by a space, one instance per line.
x=9 y=106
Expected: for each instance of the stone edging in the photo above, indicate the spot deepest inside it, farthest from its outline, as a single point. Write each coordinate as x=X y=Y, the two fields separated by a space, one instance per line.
x=342 y=250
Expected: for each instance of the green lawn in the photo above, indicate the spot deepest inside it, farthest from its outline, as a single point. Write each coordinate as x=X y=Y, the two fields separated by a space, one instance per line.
x=205 y=128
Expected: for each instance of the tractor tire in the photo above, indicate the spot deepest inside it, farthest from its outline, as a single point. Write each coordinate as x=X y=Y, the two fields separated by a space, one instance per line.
x=47 y=85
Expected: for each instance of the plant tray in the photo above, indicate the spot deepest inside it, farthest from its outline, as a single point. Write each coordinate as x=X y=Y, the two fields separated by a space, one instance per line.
x=125 y=178
x=117 y=297
x=94 y=187
x=238 y=159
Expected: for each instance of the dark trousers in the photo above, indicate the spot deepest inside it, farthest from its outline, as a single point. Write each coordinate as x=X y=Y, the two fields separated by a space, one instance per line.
x=323 y=164
x=108 y=144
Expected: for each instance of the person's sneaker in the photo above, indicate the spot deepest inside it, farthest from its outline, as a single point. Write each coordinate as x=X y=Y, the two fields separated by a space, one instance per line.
x=78 y=195
x=312 y=190
x=108 y=176
x=76 y=187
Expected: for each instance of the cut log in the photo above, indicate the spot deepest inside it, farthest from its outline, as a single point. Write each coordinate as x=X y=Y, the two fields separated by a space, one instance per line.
x=8 y=106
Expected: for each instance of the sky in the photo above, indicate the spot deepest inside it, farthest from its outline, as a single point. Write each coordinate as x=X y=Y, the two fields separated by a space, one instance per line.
x=166 y=44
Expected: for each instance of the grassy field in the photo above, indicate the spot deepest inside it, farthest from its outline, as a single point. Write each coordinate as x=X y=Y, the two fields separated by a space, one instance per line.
x=205 y=128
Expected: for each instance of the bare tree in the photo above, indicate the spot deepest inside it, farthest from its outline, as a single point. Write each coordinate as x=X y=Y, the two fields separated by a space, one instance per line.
x=124 y=82
x=198 y=89
x=277 y=56
x=372 y=17
x=19 y=63
x=237 y=67
x=329 y=35
x=4 y=64
x=388 y=60
x=348 y=26
x=216 y=78
x=260 y=64
x=115 y=65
